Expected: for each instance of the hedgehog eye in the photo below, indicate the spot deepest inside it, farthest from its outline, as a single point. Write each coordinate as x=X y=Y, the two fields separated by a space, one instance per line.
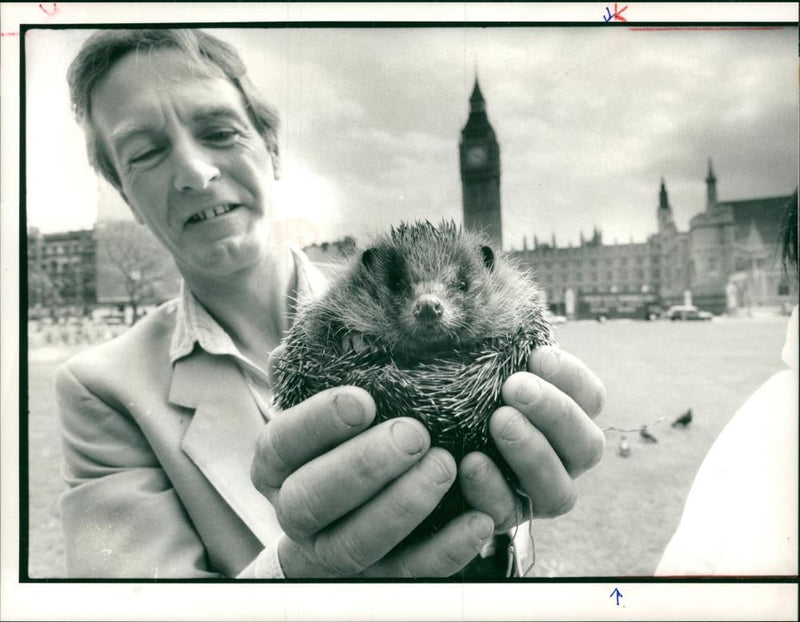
x=394 y=280
x=395 y=272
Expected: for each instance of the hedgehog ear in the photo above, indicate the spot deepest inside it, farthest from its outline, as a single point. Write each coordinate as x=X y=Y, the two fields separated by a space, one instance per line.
x=487 y=254
x=368 y=257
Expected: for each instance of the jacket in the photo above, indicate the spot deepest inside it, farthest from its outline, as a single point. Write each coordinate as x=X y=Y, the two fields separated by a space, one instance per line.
x=158 y=460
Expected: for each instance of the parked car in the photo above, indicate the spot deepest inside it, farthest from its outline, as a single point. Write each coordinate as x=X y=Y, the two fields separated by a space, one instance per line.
x=687 y=312
x=653 y=312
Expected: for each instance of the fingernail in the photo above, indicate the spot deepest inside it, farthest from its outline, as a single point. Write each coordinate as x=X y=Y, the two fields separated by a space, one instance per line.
x=349 y=409
x=478 y=473
x=438 y=470
x=527 y=389
x=549 y=362
x=514 y=429
x=407 y=437
x=483 y=529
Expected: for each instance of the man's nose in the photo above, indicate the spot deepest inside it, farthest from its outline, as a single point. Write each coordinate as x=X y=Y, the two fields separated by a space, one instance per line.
x=194 y=168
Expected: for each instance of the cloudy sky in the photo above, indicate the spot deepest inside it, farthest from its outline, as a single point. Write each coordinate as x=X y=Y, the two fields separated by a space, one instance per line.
x=589 y=120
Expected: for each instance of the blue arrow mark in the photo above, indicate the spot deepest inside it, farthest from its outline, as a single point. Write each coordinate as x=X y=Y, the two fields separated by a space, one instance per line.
x=616 y=593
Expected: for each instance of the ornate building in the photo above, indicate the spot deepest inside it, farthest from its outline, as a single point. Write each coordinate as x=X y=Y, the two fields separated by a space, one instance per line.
x=480 y=172
x=728 y=259
x=735 y=254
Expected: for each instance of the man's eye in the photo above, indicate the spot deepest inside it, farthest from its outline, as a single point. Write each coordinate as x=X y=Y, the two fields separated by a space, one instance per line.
x=221 y=137
x=144 y=156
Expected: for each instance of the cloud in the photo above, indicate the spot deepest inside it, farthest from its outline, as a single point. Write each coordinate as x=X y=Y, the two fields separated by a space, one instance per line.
x=589 y=120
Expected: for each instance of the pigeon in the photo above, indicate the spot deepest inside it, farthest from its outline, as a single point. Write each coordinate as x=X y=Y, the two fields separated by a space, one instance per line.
x=684 y=420
x=648 y=438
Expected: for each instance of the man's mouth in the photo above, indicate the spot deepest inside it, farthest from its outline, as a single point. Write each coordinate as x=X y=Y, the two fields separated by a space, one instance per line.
x=211 y=212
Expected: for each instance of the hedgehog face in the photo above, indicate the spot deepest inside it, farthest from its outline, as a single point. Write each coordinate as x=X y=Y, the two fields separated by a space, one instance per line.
x=430 y=295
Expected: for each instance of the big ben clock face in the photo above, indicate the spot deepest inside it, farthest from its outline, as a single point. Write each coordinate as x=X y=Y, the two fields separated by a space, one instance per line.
x=477 y=156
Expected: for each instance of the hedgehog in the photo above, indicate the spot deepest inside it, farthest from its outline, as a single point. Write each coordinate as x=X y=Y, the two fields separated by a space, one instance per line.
x=431 y=321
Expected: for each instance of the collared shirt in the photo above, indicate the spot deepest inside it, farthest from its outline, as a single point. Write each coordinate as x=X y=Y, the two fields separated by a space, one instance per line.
x=195 y=326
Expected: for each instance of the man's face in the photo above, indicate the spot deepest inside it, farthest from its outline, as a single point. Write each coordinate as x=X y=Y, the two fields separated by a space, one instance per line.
x=191 y=164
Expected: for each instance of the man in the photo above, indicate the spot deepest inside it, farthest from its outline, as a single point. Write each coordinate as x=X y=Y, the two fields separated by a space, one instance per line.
x=177 y=465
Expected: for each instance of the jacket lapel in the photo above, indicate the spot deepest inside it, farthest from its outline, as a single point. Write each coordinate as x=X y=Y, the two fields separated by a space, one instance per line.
x=221 y=437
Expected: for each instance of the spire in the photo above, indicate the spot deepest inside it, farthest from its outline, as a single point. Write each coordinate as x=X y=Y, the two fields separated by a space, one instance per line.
x=710 y=178
x=478 y=123
x=476 y=101
x=663 y=201
x=665 y=222
x=711 y=187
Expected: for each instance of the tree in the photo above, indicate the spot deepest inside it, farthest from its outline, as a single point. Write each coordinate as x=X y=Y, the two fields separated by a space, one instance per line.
x=42 y=292
x=132 y=265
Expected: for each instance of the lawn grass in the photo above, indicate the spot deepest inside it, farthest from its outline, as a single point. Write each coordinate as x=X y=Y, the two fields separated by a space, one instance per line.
x=627 y=507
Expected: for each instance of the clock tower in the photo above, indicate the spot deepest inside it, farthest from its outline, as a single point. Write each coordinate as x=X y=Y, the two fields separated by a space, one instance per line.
x=480 y=172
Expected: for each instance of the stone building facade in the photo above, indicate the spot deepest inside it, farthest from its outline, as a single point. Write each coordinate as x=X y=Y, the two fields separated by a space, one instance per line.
x=61 y=271
x=729 y=258
x=74 y=273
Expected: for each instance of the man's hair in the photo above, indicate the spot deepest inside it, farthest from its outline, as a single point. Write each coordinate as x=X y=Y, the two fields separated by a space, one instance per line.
x=105 y=48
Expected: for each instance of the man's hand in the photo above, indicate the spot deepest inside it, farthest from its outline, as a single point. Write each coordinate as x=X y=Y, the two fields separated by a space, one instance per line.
x=545 y=433
x=346 y=495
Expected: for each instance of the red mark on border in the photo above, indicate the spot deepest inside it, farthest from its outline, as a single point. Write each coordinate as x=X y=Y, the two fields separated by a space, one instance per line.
x=48 y=8
x=698 y=28
x=616 y=15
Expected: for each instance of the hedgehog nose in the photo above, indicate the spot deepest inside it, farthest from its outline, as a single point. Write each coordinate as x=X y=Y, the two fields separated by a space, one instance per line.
x=428 y=308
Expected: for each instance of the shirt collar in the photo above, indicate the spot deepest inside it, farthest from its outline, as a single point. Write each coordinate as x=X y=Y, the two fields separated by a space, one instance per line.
x=195 y=326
